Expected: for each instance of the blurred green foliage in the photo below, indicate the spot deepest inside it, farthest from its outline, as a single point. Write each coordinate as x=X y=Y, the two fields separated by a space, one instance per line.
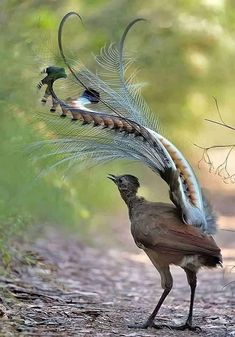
x=185 y=52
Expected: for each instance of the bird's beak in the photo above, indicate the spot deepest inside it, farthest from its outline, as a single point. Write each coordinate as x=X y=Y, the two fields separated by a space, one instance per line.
x=112 y=177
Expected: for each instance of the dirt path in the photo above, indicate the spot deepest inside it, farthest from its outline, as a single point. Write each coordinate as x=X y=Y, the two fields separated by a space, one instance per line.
x=75 y=290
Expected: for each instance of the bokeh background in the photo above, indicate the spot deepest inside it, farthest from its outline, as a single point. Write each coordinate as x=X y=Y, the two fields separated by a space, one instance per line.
x=185 y=53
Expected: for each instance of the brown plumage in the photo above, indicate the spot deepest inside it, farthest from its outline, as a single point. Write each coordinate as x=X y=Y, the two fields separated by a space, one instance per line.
x=157 y=228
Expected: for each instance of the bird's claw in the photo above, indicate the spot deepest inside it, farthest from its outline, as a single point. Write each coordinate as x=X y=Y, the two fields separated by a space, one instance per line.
x=147 y=325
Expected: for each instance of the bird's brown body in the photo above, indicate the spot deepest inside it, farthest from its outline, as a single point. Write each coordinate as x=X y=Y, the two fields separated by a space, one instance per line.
x=157 y=228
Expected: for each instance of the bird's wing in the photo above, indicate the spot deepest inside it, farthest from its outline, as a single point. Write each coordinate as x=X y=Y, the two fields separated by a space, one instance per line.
x=166 y=233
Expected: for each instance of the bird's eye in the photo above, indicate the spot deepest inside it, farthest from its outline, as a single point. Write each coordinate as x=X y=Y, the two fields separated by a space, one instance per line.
x=120 y=180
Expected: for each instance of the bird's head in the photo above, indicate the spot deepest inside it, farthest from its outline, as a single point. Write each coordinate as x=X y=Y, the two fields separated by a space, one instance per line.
x=127 y=184
x=56 y=72
x=53 y=73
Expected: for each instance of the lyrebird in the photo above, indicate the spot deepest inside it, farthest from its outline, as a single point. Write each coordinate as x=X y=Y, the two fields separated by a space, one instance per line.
x=123 y=127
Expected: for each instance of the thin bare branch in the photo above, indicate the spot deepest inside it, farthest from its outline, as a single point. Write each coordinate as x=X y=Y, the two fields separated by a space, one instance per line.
x=214 y=146
x=222 y=169
x=220 y=123
x=218 y=110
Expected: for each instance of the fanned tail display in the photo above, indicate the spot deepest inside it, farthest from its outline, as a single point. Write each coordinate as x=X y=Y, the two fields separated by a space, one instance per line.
x=121 y=127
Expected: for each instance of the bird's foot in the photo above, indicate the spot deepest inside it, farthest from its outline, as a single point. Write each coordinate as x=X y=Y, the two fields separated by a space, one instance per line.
x=186 y=326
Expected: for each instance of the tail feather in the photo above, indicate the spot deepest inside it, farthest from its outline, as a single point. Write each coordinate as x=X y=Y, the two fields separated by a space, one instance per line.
x=211 y=261
x=122 y=129
x=210 y=215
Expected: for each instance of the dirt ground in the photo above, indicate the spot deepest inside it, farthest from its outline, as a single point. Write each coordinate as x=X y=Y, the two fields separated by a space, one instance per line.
x=75 y=290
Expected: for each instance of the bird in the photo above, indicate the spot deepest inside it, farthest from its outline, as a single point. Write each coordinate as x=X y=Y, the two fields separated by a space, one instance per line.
x=122 y=126
x=157 y=229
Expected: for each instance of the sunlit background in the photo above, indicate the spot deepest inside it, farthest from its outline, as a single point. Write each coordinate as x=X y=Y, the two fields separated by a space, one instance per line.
x=185 y=55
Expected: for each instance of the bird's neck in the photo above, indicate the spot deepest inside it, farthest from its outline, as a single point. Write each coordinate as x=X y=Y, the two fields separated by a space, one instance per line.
x=130 y=198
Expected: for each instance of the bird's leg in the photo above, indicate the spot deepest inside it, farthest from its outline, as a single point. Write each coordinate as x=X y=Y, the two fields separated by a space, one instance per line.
x=149 y=323
x=54 y=105
x=192 y=280
x=167 y=282
x=46 y=95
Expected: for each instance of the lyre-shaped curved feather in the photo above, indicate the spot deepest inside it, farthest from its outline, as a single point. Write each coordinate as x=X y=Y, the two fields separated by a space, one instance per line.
x=124 y=130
